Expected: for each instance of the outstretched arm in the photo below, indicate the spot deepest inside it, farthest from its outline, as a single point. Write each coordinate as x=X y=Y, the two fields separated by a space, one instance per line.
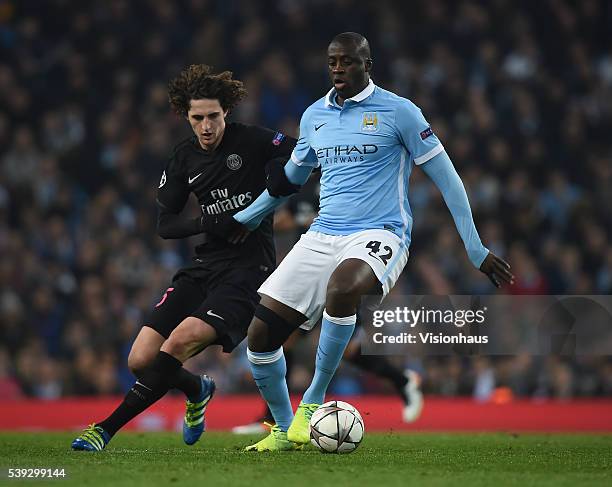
x=173 y=225
x=281 y=183
x=442 y=172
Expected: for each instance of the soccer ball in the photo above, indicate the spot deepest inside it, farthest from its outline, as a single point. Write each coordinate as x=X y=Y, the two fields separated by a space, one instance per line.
x=336 y=427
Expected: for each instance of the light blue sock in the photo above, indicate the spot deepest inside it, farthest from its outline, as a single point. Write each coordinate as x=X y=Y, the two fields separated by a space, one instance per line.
x=269 y=370
x=335 y=335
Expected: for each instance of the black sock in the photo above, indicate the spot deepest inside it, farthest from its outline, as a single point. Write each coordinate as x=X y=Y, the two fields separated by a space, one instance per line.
x=382 y=367
x=186 y=382
x=152 y=385
x=190 y=384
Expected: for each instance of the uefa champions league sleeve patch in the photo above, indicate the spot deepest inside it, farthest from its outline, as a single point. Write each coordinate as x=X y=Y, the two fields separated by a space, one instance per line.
x=278 y=138
x=426 y=133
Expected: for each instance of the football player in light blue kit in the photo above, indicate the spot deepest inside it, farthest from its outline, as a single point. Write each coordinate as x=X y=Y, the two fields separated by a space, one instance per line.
x=367 y=141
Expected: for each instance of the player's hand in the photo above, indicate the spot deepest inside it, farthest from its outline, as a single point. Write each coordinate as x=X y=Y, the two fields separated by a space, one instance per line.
x=277 y=182
x=226 y=227
x=497 y=270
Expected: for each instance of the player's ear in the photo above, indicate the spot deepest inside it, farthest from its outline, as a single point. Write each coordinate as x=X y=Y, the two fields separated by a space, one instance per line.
x=368 y=65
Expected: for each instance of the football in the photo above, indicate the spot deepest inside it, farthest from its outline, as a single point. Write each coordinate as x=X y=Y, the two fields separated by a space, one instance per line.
x=336 y=427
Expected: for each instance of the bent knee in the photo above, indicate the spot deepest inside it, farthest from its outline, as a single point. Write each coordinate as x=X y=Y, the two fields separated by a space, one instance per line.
x=138 y=361
x=189 y=338
x=257 y=335
x=179 y=340
x=340 y=288
x=268 y=331
x=351 y=280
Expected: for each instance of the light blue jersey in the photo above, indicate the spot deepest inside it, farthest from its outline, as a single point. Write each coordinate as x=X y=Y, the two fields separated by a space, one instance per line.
x=366 y=149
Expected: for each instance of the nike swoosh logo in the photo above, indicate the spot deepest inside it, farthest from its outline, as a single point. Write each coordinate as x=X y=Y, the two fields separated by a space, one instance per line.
x=141 y=384
x=210 y=313
x=317 y=128
x=191 y=180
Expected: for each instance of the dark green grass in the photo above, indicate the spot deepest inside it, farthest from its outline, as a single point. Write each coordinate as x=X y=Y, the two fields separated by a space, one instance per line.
x=464 y=460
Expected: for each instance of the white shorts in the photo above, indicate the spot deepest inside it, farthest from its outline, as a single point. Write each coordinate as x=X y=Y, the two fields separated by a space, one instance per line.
x=300 y=281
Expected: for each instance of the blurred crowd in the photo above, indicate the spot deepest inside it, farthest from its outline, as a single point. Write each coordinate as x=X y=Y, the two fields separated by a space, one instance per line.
x=520 y=93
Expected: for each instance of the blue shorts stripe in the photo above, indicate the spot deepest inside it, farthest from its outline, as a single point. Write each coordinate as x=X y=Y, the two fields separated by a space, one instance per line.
x=402 y=248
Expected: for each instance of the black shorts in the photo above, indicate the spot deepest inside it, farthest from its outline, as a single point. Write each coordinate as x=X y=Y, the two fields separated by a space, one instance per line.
x=225 y=299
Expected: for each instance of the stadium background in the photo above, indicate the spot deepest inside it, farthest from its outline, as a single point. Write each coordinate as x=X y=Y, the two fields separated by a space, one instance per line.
x=519 y=93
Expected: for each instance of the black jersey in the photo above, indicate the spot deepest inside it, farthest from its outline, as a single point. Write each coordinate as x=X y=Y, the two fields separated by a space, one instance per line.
x=226 y=180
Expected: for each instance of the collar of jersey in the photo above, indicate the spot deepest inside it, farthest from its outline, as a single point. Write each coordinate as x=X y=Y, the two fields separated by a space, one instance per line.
x=362 y=95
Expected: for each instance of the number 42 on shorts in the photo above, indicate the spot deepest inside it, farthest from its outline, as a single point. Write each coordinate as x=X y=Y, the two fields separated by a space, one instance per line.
x=374 y=246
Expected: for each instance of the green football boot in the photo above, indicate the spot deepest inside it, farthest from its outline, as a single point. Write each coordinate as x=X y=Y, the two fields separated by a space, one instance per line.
x=299 y=430
x=275 y=441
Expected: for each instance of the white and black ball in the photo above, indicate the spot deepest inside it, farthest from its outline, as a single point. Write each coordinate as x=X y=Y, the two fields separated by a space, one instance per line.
x=336 y=427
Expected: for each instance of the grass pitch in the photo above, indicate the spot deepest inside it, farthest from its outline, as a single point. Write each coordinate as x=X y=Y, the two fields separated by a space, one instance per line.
x=383 y=460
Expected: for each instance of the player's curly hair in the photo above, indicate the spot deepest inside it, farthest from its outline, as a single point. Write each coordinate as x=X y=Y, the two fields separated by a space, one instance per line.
x=197 y=82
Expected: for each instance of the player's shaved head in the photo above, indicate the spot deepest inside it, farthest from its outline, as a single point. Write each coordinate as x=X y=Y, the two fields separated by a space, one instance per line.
x=353 y=39
x=349 y=64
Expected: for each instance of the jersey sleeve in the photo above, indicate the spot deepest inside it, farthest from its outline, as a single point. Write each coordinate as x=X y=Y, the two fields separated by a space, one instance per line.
x=416 y=134
x=304 y=154
x=173 y=190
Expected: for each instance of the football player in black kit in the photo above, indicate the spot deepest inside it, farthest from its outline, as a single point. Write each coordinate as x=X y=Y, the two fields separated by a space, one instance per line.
x=212 y=301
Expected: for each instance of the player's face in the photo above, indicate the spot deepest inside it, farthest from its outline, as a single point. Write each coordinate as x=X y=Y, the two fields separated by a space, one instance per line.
x=348 y=70
x=207 y=119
